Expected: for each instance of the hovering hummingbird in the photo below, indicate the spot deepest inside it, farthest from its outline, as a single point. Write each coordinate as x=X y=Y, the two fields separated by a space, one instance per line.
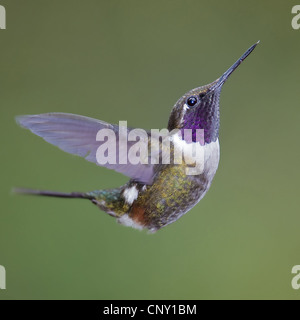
x=156 y=194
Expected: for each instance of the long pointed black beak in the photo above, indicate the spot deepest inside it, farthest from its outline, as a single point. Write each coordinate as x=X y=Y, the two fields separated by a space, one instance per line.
x=219 y=82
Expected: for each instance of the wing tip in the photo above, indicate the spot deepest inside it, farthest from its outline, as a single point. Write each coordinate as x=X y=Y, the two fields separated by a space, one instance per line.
x=25 y=121
x=21 y=120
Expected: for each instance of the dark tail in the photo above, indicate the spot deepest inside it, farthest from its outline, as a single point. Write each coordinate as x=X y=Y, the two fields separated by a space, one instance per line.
x=74 y=195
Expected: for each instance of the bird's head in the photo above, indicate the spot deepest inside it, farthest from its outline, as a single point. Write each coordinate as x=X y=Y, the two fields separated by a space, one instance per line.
x=199 y=108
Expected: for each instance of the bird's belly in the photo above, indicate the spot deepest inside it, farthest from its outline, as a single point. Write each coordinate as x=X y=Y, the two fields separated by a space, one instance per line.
x=173 y=193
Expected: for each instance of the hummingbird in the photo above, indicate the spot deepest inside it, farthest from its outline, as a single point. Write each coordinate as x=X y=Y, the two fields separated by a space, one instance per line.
x=156 y=194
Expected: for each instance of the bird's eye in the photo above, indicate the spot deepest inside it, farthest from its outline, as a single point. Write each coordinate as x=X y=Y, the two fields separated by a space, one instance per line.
x=192 y=101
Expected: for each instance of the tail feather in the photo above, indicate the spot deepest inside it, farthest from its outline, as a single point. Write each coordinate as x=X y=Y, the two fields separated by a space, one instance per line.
x=74 y=195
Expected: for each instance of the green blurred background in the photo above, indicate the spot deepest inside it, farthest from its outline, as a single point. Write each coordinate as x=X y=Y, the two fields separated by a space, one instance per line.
x=131 y=60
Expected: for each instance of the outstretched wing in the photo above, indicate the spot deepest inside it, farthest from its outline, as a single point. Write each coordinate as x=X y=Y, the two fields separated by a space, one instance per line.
x=77 y=135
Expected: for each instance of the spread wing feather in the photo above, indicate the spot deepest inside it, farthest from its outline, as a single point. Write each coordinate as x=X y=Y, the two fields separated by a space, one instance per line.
x=76 y=134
